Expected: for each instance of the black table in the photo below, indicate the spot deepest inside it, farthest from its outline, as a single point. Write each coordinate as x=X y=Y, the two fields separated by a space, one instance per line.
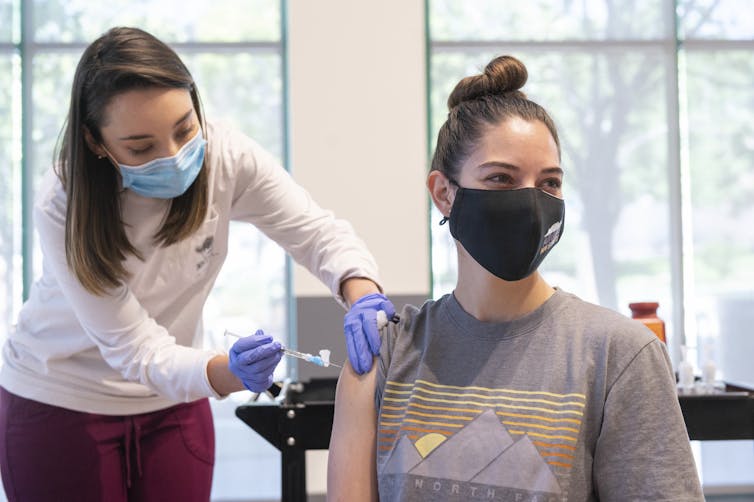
x=720 y=416
x=302 y=421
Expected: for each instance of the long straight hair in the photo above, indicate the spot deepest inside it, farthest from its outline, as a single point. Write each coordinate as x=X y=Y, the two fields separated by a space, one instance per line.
x=96 y=244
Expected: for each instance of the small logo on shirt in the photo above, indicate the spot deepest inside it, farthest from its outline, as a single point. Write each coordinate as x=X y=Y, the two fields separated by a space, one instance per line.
x=205 y=252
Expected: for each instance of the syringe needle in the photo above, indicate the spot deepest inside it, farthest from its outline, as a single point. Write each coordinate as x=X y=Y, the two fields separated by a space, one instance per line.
x=309 y=358
x=293 y=353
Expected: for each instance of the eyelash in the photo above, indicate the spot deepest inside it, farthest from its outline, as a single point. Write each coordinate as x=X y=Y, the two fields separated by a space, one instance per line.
x=551 y=183
x=500 y=178
x=138 y=152
x=182 y=134
x=554 y=182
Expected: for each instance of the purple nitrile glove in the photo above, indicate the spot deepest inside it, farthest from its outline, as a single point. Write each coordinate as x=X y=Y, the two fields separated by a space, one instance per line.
x=253 y=359
x=362 y=331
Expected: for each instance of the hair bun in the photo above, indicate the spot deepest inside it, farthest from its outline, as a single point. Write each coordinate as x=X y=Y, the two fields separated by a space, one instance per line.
x=504 y=75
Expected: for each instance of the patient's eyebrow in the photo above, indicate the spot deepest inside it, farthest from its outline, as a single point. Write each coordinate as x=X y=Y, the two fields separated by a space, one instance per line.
x=512 y=167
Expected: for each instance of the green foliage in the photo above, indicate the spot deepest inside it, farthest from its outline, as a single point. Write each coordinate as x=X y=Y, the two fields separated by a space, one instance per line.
x=244 y=89
x=6 y=18
x=650 y=267
x=199 y=20
x=721 y=129
x=551 y=20
x=724 y=263
x=9 y=203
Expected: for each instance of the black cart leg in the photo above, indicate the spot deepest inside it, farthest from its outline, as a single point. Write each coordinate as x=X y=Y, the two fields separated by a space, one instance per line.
x=294 y=474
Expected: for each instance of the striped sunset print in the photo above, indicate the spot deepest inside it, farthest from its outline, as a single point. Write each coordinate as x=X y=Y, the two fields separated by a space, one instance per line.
x=428 y=414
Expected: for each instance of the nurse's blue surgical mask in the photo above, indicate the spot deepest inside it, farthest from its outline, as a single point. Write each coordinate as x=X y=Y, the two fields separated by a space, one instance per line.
x=508 y=232
x=166 y=177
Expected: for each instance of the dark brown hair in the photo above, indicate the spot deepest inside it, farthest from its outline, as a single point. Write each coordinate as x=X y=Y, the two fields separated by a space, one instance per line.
x=96 y=244
x=480 y=101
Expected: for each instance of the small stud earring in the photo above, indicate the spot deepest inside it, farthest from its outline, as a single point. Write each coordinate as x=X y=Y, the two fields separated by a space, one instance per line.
x=100 y=157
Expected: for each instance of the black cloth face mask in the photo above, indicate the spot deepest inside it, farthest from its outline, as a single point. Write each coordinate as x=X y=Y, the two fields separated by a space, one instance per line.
x=508 y=232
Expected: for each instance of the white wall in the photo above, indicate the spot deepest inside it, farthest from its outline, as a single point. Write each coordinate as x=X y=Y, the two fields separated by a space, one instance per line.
x=358 y=136
x=358 y=128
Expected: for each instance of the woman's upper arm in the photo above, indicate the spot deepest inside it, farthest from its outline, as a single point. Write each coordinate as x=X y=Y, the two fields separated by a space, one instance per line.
x=351 y=469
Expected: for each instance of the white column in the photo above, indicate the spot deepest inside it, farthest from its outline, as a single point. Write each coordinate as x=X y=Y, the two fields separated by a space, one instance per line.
x=358 y=136
x=358 y=128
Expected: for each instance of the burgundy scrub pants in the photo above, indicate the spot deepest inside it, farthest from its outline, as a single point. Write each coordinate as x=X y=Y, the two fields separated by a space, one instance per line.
x=49 y=453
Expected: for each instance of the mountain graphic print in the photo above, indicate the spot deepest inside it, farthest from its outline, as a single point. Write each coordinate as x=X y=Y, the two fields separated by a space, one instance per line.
x=444 y=442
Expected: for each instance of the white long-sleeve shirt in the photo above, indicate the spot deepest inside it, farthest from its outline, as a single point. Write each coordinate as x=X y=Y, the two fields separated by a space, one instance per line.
x=134 y=350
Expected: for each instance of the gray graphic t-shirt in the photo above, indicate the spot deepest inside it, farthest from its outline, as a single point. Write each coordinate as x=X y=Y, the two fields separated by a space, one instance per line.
x=572 y=402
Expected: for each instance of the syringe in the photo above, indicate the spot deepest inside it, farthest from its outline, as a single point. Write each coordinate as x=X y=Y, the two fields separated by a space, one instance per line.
x=323 y=359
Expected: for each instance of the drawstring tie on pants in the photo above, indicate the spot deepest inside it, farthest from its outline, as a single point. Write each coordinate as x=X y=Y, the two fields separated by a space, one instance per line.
x=133 y=435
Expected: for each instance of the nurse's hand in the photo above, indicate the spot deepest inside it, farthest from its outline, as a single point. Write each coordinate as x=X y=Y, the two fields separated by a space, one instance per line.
x=362 y=331
x=253 y=359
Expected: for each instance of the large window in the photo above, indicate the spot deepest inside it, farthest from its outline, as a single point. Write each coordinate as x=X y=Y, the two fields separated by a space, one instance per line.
x=237 y=62
x=717 y=124
x=654 y=103
x=10 y=172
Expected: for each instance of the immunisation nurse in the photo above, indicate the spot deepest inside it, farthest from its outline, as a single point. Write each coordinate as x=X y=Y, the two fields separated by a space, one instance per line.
x=104 y=387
